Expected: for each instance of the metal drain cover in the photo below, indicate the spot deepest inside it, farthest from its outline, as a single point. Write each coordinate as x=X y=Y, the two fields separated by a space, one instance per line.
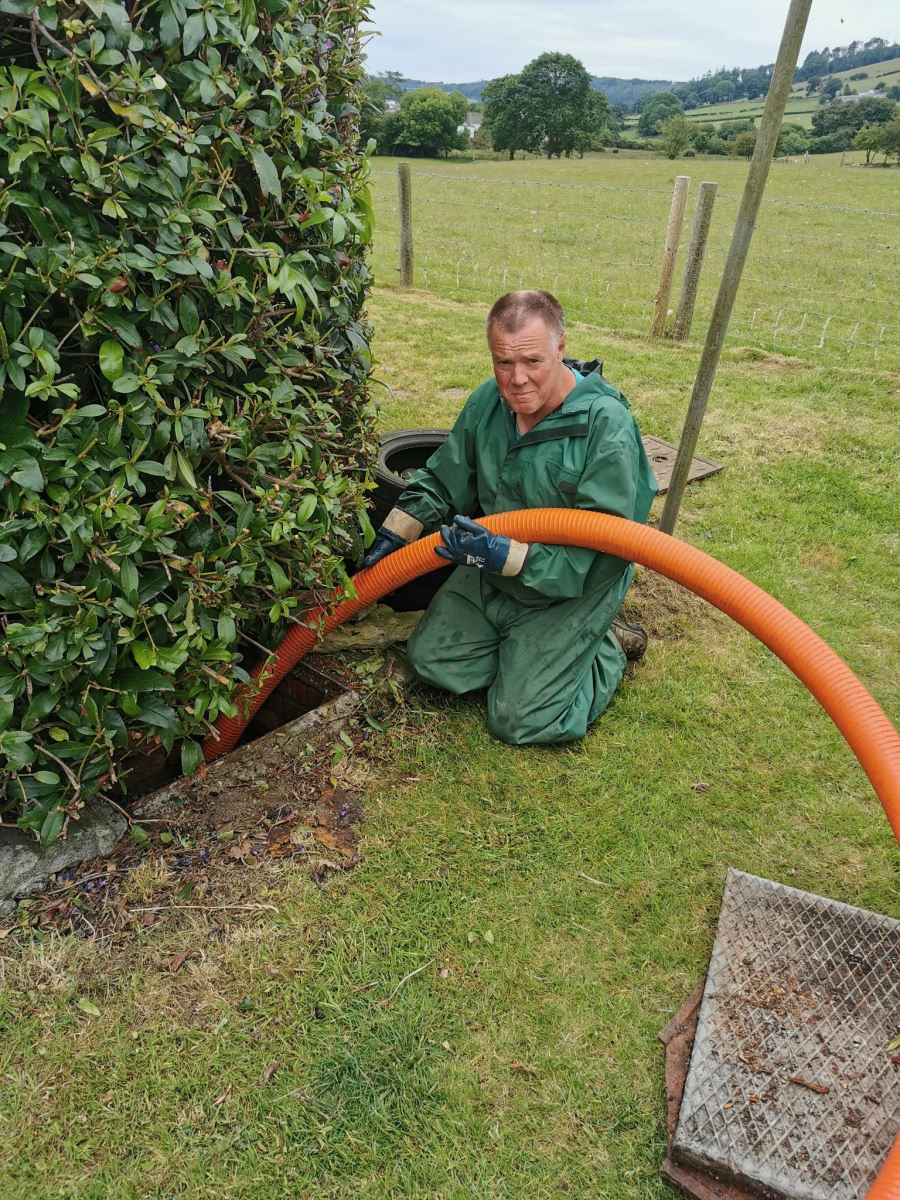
x=662 y=457
x=791 y=1088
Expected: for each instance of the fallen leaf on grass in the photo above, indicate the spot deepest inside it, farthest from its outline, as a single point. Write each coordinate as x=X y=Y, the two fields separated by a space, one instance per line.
x=177 y=961
x=241 y=851
x=88 y=1006
x=523 y=1068
x=334 y=841
x=269 y=1071
x=220 y=1100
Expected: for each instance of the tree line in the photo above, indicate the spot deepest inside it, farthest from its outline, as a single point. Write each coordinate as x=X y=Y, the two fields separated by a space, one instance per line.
x=836 y=126
x=551 y=108
x=751 y=83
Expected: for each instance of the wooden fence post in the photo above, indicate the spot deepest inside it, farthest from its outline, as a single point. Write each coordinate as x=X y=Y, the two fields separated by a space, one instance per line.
x=769 y=128
x=673 y=237
x=694 y=264
x=406 y=233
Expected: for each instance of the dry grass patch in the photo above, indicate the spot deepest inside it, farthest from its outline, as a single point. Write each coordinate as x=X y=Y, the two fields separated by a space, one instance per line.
x=666 y=609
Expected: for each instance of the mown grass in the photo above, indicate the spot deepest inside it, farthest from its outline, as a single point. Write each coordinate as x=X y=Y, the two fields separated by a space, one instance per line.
x=473 y=1011
x=819 y=280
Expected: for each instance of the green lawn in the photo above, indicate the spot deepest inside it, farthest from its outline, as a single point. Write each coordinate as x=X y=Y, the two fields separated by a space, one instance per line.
x=473 y=1011
x=820 y=279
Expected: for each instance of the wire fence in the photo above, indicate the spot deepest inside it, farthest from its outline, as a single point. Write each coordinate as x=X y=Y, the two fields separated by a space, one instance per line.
x=820 y=281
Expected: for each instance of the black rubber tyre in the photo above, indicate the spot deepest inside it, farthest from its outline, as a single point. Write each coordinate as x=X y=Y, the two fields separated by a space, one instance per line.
x=402 y=452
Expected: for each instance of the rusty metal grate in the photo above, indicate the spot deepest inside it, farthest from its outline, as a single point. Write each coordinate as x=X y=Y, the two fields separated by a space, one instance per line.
x=662 y=457
x=791 y=1087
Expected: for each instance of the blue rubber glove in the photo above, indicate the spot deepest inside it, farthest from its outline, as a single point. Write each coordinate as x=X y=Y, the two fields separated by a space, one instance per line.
x=471 y=545
x=385 y=543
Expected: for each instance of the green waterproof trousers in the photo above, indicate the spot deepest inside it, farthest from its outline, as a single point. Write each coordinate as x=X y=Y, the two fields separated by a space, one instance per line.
x=550 y=668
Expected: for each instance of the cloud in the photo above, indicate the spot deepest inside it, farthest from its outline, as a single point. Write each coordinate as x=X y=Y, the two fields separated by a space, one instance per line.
x=467 y=40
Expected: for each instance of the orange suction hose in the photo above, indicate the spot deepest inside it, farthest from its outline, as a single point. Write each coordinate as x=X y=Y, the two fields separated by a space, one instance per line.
x=857 y=715
x=860 y=719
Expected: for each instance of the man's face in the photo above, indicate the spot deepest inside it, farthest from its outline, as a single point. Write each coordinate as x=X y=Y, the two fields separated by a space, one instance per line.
x=527 y=367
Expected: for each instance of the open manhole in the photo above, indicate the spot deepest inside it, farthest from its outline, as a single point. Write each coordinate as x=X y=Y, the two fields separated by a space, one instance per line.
x=302 y=692
x=793 y=1091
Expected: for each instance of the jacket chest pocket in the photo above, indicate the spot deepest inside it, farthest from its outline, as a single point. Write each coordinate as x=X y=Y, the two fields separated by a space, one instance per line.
x=542 y=484
x=562 y=484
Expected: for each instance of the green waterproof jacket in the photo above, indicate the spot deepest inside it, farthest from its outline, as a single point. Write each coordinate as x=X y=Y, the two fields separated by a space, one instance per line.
x=587 y=454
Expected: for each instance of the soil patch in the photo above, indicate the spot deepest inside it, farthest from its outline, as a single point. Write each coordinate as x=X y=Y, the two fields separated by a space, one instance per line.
x=666 y=609
x=219 y=840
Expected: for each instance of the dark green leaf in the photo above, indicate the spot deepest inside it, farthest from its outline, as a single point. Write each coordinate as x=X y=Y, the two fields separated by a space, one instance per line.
x=15 y=588
x=187 y=314
x=194 y=33
x=191 y=757
x=111 y=359
x=269 y=181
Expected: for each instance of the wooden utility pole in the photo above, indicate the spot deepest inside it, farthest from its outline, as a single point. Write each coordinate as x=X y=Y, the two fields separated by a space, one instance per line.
x=769 y=128
x=673 y=237
x=694 y=264
x=406 y=233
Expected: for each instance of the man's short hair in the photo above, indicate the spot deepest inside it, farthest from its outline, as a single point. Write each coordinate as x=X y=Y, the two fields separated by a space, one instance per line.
x=512 y=311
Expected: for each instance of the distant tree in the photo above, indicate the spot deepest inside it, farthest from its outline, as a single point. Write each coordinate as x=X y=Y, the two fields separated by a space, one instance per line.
x=427 y=123
x=507 y=114
x=561 y=102
x=676 y=136
x=889 y=139
x=793 y=139
x=616 y=118
x=829 y=90
x=744 y=144
x=852 y=116
x=868 y=139
x=658 y=108
x=481 y=139
x=813 y=84
x=376 y=91
x=893 y=93
x=702 y=135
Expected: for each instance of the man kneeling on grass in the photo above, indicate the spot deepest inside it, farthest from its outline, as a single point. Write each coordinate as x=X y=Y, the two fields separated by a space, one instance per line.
x=536 y=625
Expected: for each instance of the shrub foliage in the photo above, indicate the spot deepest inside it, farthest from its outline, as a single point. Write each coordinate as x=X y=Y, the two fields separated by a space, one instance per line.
x=184 y=422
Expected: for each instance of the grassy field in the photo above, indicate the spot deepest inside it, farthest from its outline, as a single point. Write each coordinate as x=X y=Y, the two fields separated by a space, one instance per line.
x=473 y=1011
x=800 y=107
x=819 y=280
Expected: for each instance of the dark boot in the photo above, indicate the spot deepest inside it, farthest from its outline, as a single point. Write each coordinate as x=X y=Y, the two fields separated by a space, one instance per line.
x=632 y=638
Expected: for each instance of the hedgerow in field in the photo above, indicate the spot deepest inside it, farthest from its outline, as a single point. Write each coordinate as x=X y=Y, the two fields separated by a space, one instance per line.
x=184 y=423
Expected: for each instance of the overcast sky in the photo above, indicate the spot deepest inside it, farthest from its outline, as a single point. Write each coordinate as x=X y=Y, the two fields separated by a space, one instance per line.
x=459 y=41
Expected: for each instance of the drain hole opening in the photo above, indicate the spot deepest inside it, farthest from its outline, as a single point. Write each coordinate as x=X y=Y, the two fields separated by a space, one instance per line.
x=300 y=693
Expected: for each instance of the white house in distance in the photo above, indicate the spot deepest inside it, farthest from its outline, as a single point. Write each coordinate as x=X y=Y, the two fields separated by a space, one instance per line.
x=472 y=123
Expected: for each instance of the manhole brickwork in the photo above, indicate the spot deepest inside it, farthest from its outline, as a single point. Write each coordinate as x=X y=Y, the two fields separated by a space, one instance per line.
x=791 y=1087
